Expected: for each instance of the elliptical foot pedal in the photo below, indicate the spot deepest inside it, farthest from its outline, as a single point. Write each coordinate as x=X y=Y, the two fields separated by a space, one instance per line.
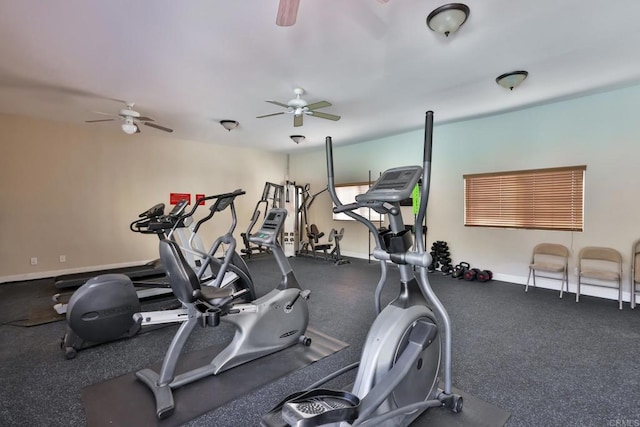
x=321 y=406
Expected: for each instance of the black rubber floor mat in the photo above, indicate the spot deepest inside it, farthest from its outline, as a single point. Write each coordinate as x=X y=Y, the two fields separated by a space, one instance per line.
x=475 y=413
x=125 y=401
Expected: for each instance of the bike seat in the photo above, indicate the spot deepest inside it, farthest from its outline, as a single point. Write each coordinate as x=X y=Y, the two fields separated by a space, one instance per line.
x=216 y=296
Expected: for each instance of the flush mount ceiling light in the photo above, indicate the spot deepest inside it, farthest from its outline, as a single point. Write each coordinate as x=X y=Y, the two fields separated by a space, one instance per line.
x=448 y=18
x=229 y=124
x=512 y=79
x=128 y=126
x=297 y=138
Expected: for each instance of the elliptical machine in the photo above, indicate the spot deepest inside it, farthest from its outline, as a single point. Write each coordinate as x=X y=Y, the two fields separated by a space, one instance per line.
x=398 y=371
x=103 y=309
x=268 y=324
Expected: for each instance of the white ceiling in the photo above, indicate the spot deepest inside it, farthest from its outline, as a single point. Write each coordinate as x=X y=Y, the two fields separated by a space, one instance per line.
x=191 y=63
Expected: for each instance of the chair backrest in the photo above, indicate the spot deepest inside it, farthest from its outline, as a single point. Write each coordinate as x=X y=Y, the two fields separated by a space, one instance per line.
x=553 y=249
x=635 y=261
x=183 y=280
x=597 y=253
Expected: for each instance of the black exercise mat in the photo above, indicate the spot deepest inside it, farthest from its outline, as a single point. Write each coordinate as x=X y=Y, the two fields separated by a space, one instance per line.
x=475 y=413
x=28 y=303
x=125 y=401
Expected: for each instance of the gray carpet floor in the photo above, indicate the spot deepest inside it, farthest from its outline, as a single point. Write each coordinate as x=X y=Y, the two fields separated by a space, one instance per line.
x=548 y=361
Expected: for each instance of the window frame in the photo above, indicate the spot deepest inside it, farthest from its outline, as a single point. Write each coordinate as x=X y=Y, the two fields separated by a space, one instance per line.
x=358 y=188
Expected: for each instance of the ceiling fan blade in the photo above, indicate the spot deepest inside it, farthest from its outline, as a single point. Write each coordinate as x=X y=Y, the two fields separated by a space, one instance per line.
x=278 y=103
x=138 y=129
x=101 y=120
x=269 y=115
x=316 y=105
x=145 y=119
x=287 y=12
x=106 y=114
x=297 y=121
x=153 y=125
x=324 y=115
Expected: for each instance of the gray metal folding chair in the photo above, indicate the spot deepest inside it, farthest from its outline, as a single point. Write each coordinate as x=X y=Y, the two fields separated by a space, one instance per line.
x=604 y=265
x=635 y=273
x=551 y=259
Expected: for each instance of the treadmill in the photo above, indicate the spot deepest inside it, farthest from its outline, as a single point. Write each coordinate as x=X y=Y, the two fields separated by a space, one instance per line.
x=150 y=278
x=151 y=221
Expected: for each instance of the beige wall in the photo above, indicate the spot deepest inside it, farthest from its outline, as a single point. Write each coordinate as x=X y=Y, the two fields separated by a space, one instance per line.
x=73 y=190
x=601 y=131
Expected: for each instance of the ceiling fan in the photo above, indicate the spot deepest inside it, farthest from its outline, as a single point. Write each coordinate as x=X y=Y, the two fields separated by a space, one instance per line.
x=299 y=107
x=131 y=120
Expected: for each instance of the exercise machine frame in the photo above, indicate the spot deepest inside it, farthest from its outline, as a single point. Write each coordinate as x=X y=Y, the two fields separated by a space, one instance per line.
x=398 y=371
x=268 y=324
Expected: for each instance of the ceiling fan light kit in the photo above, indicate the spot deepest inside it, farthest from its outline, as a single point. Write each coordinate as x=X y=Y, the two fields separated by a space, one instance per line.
x=129 y=127
x=448 y=18
x=512 y=79
x=297 y=138
x=229 y=124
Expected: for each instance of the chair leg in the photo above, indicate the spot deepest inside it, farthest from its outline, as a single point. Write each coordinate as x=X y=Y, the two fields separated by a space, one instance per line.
x=526 y=288
x=620 y=294
x=578 y=289
x=562 y=283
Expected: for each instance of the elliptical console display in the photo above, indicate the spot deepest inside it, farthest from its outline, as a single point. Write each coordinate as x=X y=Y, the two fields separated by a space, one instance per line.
x=394 y=185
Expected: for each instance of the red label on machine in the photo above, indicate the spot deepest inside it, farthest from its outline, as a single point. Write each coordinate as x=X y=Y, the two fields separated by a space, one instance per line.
x=198 y=197
x=174 y=198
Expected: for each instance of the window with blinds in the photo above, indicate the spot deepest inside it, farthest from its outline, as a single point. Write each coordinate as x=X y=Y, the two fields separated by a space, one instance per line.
x=543 y=199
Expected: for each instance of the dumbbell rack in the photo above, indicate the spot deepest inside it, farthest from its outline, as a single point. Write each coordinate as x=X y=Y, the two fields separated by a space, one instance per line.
x=441 y=258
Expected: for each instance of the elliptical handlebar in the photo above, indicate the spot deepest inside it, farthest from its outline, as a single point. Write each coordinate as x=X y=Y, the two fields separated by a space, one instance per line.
x=426 y=181
x=341 y=207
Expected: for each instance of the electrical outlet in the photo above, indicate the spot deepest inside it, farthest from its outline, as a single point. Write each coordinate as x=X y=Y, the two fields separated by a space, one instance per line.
x=63 y=258
x=34 y=261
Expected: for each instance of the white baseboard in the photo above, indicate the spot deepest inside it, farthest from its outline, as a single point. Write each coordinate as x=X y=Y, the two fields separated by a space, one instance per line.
x=55 y=273
x=588 y=290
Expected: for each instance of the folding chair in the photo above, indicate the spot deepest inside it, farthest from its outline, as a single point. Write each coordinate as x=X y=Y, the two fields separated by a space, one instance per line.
x=550 y=258
x=603 y=265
